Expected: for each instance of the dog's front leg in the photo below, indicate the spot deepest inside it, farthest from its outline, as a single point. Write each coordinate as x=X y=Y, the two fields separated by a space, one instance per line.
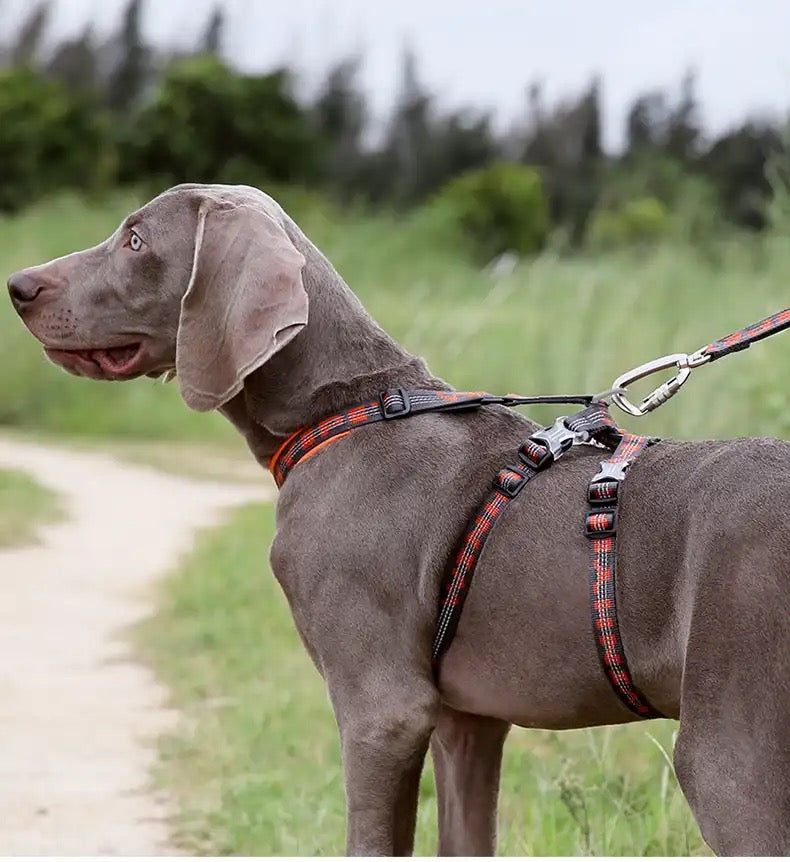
x=384 y=731
x=467 y=755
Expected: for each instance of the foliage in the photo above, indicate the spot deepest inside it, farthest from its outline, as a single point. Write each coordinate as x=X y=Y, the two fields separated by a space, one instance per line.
x=25 y=506
x=689 y=202
x=497 y=209
x=189 y=115
x=641 y=220
x=209 y=124
x=49 y=139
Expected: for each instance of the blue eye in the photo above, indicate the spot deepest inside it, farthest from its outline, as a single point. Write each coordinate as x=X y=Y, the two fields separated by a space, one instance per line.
x=135 y=243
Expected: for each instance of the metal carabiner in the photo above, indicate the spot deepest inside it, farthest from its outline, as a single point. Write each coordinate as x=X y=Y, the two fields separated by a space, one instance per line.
x=682 y=361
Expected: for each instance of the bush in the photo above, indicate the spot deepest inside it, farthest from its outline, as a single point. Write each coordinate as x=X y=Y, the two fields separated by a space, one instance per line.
x=49 y=139
x=689 y=197
x=643 y=220
x=499 y=208
x=208 y=124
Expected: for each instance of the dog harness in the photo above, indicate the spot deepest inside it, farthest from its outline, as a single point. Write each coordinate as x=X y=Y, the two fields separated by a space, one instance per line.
x=536 y=454
x=594 y=425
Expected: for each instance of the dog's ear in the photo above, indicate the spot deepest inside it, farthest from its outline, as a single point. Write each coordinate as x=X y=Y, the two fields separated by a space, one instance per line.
x=245 y=301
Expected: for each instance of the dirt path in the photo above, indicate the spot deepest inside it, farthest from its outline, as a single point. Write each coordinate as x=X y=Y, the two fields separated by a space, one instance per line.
x=77 y=713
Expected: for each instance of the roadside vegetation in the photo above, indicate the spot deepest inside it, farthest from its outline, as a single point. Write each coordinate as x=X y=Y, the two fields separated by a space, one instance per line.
x=25 y=506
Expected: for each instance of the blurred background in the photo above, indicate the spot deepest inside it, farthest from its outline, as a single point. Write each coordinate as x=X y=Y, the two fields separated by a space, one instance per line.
x=533 y=196
x=617 y=172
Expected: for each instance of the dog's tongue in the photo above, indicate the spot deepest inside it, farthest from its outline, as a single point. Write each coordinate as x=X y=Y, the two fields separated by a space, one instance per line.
x=115 y=358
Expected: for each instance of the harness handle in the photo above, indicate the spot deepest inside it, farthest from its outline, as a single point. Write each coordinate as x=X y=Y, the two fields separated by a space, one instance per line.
x=685 y=362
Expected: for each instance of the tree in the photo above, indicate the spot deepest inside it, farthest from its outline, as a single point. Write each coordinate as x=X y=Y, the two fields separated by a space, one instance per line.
x=131 y=68
x=646 y=122
x=31 y=33
x=683 y=130
x=74 y=62
x=211 y=41
x=736 y=164
x=408 y=144
x=654 y=123
x=339 y=115
x=565 y=143
x=208 y=124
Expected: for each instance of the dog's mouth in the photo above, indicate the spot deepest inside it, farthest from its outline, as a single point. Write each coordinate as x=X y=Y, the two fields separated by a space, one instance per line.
x=107 y=363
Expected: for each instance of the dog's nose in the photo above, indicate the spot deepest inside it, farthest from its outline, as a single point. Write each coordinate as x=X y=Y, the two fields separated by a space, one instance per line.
x=24 y=289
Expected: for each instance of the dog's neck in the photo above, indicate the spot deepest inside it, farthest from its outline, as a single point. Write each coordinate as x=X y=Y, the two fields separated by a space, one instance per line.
x=341 y=358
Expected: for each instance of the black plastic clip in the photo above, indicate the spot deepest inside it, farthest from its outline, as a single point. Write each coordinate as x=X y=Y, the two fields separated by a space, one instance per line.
x=511 y=479
x=557 y=438
x=390 y=406
x=610 y=529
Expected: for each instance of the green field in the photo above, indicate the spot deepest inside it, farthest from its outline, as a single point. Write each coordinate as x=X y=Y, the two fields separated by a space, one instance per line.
x=255 y=762
x=555 y=324
x=24 y=507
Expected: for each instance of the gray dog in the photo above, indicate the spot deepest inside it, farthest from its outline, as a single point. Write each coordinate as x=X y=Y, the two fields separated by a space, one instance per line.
x=219 y=286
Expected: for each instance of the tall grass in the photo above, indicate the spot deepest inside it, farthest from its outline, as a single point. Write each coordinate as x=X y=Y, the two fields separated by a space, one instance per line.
x=553 y=324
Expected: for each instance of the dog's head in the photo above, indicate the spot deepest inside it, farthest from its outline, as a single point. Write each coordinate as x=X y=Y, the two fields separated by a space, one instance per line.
x=202 y=281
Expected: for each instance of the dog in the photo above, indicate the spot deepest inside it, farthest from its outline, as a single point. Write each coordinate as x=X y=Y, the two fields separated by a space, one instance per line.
x=219 y=287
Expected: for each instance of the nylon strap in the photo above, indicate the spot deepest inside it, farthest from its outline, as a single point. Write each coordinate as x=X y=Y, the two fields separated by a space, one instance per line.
x=535 y=455
x=601 y=528
x=508 y=484
x=743 y=338
x=395 y=404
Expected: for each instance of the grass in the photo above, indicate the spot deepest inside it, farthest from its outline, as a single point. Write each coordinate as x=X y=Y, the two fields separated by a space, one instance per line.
x=24 y=507
x=255 y=766
x=554 y=324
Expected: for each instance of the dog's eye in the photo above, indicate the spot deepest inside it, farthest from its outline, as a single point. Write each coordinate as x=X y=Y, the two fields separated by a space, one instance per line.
x=135 y=243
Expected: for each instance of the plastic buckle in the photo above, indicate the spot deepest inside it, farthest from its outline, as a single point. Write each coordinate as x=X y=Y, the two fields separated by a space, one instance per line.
x=508 y=485
x=546 y=459
x=394 y=411
x=600 y=532
x=610 y=471
x=557 y=438
x=603 y=499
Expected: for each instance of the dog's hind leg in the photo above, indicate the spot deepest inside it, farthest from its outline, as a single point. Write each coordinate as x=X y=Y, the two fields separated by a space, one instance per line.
x=467 y=755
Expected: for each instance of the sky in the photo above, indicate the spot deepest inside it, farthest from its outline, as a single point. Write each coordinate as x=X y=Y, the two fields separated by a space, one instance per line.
x=485 y=52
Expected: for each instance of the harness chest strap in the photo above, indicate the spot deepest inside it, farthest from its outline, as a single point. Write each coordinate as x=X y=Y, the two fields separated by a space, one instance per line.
x=535 y=455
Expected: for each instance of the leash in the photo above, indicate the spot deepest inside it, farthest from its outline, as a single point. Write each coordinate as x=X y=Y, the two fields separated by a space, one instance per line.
x=685 y=362
x=536 y=454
